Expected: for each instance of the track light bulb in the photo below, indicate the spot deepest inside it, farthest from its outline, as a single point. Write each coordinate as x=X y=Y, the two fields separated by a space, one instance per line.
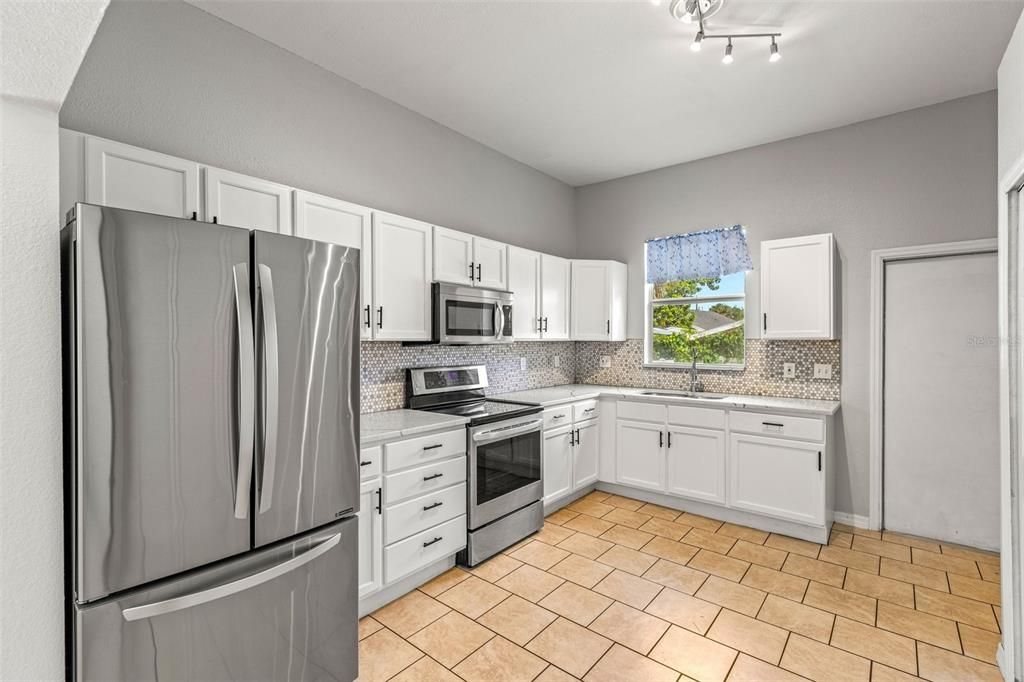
x=774 y=55
x=695 y=46
x=727 y=59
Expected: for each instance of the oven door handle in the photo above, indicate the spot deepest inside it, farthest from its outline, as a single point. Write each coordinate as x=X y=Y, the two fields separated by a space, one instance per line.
x=507 y=432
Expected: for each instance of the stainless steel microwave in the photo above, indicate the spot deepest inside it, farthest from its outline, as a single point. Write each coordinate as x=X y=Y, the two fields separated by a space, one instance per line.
x=468 y=315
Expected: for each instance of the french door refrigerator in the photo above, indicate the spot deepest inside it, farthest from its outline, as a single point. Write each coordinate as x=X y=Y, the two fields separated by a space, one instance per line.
x=212 y=403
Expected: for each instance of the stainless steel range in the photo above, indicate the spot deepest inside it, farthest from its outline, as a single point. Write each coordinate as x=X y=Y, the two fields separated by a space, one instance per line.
x=505 y=449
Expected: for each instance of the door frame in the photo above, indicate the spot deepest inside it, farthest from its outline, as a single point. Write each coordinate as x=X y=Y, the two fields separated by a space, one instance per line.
x=876 y=365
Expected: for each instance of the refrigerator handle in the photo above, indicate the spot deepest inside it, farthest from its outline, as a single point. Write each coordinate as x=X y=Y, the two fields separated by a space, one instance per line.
x=270 y=387
x=246 y=389
x=187 y=601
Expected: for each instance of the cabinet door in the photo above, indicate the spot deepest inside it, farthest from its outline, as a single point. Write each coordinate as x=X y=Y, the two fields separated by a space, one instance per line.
x=371 y=539
x=797 y=288
x=639 y=454
x=556 y=287
x=244 y=201
x=524 y=283
x=123 y=176
x=585 y=454
x=695 y=463
x=339 y=222
x=453 y=257
x=401 y=278
x=557 y=471
x=778 y=477
x=491 y=260
x=591 y=301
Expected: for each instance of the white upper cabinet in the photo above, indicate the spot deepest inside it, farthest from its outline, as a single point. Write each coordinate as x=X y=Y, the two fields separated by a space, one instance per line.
x=524 y=281
x=461 y=258
x=244 y=201
x=556 y=288
x=598 y=308
x=798 y=288
x=123 y=176
x=339 y=222
x=402 y=249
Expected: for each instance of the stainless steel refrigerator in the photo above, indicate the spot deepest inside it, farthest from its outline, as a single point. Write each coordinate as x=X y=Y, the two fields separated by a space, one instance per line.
x=212 y=405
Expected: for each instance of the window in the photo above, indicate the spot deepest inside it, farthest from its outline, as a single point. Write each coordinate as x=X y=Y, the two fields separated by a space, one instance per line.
x=702 y=316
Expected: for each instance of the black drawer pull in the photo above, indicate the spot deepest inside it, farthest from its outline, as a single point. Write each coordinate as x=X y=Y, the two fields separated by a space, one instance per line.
x=431 y=477
x=433 y=447
x=774 y=424
x=365 y=463
x=432 y=506
x=431 y=542
x=368 y=323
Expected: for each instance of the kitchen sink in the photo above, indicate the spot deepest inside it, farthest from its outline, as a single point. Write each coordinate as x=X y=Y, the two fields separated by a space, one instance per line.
x=684 y=394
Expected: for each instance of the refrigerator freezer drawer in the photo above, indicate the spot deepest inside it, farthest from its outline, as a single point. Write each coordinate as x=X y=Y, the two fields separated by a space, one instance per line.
x=285 y=613
x=423 y=480
x=416 y=515
x=423 y=549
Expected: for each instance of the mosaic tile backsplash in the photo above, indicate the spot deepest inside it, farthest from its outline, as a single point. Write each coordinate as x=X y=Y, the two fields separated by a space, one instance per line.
x=383 y=368
x=383 y=364
x=761 y=376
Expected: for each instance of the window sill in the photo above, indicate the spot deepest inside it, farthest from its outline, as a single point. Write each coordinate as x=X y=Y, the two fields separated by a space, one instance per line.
x=700 y=367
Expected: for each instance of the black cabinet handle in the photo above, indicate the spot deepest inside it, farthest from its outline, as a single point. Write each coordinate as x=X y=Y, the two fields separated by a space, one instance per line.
x=819 y=460
x=368 y=323
x=670 y=439
x=540 y=324
x=545 y=324
x=432 y=506
x=195 y=216
x=479 y=272
x=471 y=267
x=572 y=437
x=214 y=220
x=365 y=463
x=773 y=424
x=380 y=509
x=608 y=326
x=577 y=436
x=661 y=439
x=766 y=321
x=431 y=542
x=380 y=317
x=431 y=477
x=432 y=447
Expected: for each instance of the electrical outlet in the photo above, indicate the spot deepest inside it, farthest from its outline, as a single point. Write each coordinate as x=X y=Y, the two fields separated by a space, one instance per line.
x=556 y=361
x=606 y=361
x=522 y=364
x=789 y=370
x=822 y=371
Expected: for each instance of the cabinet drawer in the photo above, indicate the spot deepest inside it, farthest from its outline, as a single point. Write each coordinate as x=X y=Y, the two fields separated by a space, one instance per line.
x=788 y=426
x=424 y=548
x=407 y=453
x=416 y=515
x=586 y=409
x=647 y=412
x=557 y=416
x=370 y=462
x=424 y=479
x=700 y=417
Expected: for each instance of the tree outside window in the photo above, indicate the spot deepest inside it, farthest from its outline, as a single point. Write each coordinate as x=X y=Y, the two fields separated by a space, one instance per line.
x=702 y=316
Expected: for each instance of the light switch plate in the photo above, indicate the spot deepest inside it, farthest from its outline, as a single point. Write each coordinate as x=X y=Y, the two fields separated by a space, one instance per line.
x=606 y=361
x=556 y=361
x=522 y=364
x=822 y=371
x=789 y=370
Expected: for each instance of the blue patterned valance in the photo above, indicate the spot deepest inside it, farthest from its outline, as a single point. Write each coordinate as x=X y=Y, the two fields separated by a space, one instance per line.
x=709 y=253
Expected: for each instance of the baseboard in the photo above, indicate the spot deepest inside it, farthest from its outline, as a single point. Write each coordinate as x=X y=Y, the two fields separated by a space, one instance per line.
x=855 y=520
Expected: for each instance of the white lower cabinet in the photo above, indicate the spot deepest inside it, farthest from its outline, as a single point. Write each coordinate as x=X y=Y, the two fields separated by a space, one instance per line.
x=585 y=454
x=640 y=454
x=571 y=449
x=695 y=463
x=558 y=456
x=779 y=477
x=371 y=538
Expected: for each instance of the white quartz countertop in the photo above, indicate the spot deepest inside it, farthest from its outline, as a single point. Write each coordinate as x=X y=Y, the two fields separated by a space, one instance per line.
x=557 y=395
x=378 y=426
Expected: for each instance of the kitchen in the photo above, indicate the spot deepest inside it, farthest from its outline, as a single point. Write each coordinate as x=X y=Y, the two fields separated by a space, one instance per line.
x=712 y=494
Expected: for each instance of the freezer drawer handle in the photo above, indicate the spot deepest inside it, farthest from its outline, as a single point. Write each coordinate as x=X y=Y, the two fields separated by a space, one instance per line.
x=432 y=506
x=186 y=601
x=246 y=390
x=432 y=477
x=270 y=386
x=430 y=542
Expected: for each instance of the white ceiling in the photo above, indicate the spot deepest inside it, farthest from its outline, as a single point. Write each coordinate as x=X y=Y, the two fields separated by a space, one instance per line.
x=587 y=90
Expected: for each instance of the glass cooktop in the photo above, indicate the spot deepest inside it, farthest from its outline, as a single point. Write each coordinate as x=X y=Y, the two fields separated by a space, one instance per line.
x=484 y=411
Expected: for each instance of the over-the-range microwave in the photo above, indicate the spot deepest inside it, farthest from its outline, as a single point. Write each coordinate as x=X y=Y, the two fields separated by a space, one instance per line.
x=470 y=315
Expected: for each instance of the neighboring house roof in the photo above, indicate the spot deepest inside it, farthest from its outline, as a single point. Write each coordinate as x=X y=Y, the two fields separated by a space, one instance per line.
x=705 y=323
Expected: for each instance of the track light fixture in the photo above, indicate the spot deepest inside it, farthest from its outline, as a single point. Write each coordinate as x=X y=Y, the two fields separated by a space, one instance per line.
x=773 y=52
x=727 y=59
x=695 y=45
x=690 y=11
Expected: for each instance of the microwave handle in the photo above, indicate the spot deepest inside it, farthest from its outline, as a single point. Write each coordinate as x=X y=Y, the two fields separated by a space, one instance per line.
x=499 y=322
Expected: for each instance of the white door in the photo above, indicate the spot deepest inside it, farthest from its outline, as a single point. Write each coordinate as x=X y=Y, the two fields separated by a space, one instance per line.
x=556 y=287
x=590 y=309
x=777 y=477
x=491 y=259
x=585 y=453
x=796 y=288
x=524 y=283
x=557 y=471
x=339 y=222
x=123 y=176
x=453 y=257
x=941 y=399
x=695 y=463
x=371 y=538
x=244 y=201
x=639 y=454
x=401 y=278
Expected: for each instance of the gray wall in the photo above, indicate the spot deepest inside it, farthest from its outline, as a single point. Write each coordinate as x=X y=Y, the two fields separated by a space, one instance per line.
x=170 y=77
x=921 y=176
x=1011 y=101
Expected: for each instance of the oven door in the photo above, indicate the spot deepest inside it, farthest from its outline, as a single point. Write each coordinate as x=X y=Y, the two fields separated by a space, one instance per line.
x=464 y=315
x=504 y=468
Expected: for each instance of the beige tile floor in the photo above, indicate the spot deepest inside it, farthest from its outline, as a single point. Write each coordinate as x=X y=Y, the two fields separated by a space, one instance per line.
x=615 y=590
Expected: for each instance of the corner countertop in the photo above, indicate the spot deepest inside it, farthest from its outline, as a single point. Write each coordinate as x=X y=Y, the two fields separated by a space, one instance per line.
x=557 y=395
x=378 y=426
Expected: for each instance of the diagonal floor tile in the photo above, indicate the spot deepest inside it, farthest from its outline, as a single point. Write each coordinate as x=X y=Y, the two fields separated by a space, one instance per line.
x=694 y=656
x=576 y=603
x=451 y=638
x=572 y=648
x=629 y=627
x=499 y=659
x=516 y=619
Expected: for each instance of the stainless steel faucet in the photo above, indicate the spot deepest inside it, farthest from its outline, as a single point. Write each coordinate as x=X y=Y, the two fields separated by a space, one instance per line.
x=695 y=385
